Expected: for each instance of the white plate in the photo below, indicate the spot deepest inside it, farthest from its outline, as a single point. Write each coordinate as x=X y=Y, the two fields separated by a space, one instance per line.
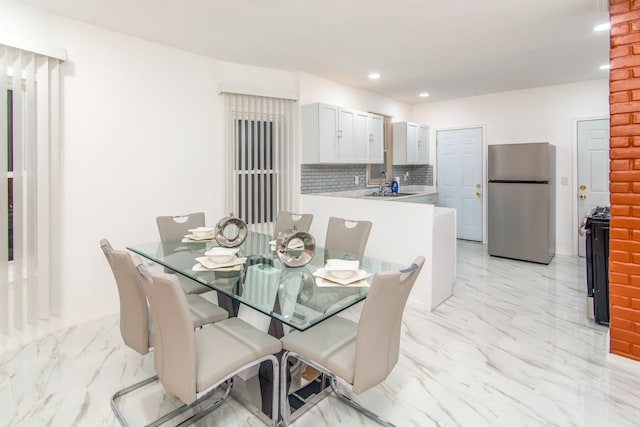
x=323 y=283
x=221 y=255
x=324 y=274
x=342 y=264
x=200 y=267
x=192 y=238
x=209 y=264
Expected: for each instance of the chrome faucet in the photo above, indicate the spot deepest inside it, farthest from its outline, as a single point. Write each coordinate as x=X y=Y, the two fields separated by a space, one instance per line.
x=383 y=183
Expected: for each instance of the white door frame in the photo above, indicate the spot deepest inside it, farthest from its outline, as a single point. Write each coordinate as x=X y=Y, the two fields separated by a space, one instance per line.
x=574 y=187
x=485 y=151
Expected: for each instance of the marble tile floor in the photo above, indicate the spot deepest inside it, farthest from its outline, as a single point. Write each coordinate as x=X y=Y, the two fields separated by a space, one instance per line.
x=513 y=346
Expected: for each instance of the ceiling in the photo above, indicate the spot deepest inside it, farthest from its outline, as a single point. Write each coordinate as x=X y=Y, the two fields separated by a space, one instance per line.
x=449 y=49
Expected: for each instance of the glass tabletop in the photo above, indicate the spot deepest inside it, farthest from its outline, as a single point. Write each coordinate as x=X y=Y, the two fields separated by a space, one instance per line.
x=297 y=297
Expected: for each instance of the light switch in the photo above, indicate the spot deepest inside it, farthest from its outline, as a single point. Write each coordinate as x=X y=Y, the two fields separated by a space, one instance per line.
x=565 y=180
x=356 y=180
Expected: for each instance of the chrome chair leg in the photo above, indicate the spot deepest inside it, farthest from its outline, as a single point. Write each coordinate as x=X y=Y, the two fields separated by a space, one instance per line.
x=215 y=405
x=357 y=406
x=334 y=387
x=284 y=390
x=127 y=390
x=275 y=415
x=180 y=409
x=123 y=422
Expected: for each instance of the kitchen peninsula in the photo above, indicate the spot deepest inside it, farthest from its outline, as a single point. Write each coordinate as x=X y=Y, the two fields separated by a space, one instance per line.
x=400 y=232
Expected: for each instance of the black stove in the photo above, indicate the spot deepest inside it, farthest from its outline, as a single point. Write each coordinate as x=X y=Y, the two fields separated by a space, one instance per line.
x=599 y=213
x=597 y=253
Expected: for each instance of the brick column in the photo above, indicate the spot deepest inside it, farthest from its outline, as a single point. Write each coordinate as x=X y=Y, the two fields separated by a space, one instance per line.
x=624 y=107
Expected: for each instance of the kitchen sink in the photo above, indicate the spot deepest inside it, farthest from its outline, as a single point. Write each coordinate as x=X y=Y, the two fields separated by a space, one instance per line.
x=376 y=194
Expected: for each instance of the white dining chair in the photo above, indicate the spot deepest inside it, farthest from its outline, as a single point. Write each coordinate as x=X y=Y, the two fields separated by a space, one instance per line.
x=136 y=325
x=288 y=220
x=173 y=229
x=192 y=363
x=362 y=354
x=348 y=236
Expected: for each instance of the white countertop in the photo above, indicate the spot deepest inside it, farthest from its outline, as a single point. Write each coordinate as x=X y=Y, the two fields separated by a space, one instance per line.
x=417 y=190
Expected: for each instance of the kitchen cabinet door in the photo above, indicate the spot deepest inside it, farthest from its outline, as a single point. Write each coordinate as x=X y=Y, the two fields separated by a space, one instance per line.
x=346 y=136
x=423 y=145
x=410 y=144
x=361 y=137
x=332 y=134
x=376 y=138
x=328 y=133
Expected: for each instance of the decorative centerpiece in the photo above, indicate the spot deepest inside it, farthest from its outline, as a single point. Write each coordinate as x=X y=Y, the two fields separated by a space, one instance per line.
x=295 y=248
x=230 y=231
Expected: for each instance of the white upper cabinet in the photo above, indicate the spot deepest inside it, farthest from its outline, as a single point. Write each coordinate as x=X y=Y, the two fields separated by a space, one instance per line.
x=332 y=134
x=361 y=137
x=375 y=136
x=346 y=135
x=410 y=144
x=324 y=132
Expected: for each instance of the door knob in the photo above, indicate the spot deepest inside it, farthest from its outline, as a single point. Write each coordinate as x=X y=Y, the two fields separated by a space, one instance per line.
x=477 y=185
x=478 y=193
x=583 y=187
x=583 y=196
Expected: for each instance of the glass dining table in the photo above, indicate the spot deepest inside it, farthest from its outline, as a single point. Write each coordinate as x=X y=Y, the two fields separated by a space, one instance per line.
x=297 y=297
x=293 y=296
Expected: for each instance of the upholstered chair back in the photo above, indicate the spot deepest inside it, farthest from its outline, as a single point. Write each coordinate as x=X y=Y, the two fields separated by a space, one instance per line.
x=378 y=337
x=175 y=349
x=287 y=220
x=174 y=228
x=343 y=237
x=134 y=313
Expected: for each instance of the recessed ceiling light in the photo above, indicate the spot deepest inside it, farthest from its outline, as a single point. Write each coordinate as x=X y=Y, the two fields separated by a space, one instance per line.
x=602 y=27
x=605 y=67
x=424 y=94
x=374 y=76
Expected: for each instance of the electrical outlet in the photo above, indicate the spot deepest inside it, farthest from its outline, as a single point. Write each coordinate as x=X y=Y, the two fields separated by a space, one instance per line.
x=356 y=180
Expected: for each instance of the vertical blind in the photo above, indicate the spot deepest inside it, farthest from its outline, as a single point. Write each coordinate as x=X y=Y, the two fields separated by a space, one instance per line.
x=262 y=157
x=29 y=117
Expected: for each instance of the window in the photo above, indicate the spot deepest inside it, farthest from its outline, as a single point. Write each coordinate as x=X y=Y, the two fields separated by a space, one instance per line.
x=265 y=175
x=29 y=255
x=257 y=175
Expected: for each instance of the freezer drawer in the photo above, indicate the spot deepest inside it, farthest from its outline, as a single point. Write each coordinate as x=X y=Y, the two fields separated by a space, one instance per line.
x=519 y=221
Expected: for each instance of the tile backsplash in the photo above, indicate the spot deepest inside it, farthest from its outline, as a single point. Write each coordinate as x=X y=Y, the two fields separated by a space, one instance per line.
x=328 y=178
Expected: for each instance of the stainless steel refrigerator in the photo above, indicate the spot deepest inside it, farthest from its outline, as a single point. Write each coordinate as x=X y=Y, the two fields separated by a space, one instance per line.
x=521 y=195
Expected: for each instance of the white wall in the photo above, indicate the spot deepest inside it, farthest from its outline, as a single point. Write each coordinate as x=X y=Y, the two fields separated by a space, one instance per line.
x=533 y=115
x=142 y=135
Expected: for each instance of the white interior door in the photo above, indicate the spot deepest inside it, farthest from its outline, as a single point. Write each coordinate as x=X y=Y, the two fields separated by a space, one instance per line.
x=593 y=169
x=459 y=182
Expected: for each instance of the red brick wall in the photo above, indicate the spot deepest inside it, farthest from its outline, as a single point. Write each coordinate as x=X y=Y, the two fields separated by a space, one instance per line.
x=624 y=247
